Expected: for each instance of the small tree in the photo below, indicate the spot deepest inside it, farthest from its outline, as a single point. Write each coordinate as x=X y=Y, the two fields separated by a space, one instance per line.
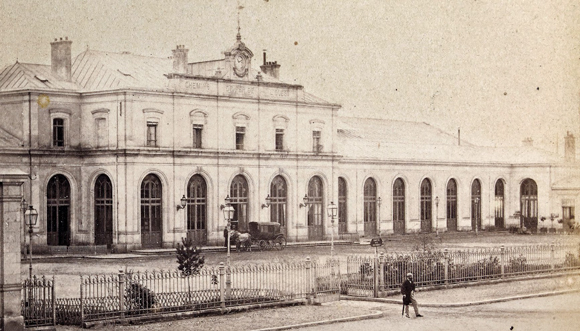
x=189 y=258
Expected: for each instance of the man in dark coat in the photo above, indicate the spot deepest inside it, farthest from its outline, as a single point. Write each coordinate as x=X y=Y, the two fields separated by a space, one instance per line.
x=408 y=292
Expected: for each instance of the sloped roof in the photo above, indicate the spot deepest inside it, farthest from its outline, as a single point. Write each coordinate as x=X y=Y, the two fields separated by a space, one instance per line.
x=96 y=70
x=30 y=76
x=379 y=139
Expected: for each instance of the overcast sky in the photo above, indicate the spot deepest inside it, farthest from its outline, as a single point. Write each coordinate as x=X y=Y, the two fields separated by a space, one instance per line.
x=500 y=70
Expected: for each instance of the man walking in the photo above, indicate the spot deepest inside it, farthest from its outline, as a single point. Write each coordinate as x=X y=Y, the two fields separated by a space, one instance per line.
x=408 y=292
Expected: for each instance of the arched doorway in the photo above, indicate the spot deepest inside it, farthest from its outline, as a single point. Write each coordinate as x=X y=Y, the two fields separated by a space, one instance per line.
x=58 y=211
x=476 y=205
x=342 y=206
x=316 y=210
x=151 y=212
x=197 y=210
x=426 y=205
x=499 y=204
x=103 y=211
x=239 y=200
x=529 y=205
x=370 y=207
x=278 y=202
x=452 y=205
x=399 y=206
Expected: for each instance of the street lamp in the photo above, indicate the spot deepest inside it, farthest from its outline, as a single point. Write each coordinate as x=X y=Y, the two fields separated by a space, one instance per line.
x=379 y=207
x=304 y=202
x=183 y=202
x=332 y=210
x=30 y=217
x=476 y=215
x=228 y=211
x=437 y=216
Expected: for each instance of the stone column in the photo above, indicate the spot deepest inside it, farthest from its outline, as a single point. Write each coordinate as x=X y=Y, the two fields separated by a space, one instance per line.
x=10 y=228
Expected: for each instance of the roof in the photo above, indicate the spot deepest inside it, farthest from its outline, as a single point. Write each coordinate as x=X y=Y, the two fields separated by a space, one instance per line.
x=403 y=141
x=32 y=76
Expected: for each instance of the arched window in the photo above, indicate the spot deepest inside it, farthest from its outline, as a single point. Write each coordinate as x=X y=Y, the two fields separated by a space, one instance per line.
x=103 y=211
x=452 y=205
x=370 y=207
x=278 y=202
x=197 y=210
x=239 y=200
x=342 y=205
x=499 y=204
x=151 y=217
x=476 y=205
x=58 y=211
x=529 y=205
x=426 y=205
x=315 y=210
x=399 y=206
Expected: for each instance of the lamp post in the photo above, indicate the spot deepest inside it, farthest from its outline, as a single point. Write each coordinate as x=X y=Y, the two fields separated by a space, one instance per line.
x=437 y=216
x=30 y=217
x=228 y=211
x=332 y=210
x=476 y=215
x=379 y=215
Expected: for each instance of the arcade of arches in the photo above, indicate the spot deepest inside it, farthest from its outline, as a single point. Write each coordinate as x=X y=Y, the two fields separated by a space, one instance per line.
x=197 y=220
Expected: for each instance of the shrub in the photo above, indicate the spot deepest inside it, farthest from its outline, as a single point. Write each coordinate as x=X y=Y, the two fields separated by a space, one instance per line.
x=513 y=229
x=189 y=258
x=138 y=297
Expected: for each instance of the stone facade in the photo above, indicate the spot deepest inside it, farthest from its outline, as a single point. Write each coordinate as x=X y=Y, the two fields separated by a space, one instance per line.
x=113 y=148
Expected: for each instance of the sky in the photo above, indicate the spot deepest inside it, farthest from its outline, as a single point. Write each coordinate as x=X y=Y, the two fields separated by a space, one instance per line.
x=501 y=71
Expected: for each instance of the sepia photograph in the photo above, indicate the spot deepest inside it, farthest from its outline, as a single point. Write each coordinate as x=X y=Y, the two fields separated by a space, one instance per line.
x=289 y=165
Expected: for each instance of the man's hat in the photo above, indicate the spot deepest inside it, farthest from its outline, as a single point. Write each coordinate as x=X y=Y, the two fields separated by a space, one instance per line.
x=409 y=275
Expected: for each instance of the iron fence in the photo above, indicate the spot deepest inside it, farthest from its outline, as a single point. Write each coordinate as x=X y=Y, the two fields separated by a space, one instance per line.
x=368 y=275
x=137 y=294
x=38 y=301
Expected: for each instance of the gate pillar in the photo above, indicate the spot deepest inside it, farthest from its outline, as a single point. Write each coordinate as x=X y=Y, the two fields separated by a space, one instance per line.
x=10 y=232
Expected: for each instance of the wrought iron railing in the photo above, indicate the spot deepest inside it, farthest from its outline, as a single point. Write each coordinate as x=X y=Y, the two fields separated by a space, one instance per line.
x=38 y=301
x=368 y=275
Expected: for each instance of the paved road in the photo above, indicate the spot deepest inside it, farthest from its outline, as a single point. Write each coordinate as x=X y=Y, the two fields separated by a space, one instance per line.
x=561 y=313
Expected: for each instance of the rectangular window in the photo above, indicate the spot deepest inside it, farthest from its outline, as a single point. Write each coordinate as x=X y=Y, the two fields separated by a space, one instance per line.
x=58 y=132
x=151 y=134
x=197 y=129
x=240 y=134
x=316 y=146
x=279 y=139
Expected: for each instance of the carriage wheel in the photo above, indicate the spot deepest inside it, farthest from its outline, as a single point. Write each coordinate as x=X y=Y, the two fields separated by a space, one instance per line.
x=263 y=245
x=280 y=243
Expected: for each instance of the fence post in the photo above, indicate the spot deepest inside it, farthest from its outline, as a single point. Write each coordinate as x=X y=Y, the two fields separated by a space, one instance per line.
x=53 y=302
x=552 y=257
x=502 y=260
x=446 y=266
x=222 y=285
x=122 y=280
x=310 y=289
x=381 y=269
x=82 y=303
x=376 y=277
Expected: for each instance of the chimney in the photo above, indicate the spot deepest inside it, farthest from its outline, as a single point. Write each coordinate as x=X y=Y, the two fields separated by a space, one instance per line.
x=528 y=142
x=60 y=57
x=180 y=59
x=271 y=68
x=570 y=147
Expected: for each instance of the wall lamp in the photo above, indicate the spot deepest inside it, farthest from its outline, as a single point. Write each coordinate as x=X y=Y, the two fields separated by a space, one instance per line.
x=305 y=202
x=228 y=201
x=267 y=204
x=183 y=202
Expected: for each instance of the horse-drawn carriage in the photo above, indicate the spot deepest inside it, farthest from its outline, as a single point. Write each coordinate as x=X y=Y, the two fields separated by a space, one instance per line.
x=264 y=235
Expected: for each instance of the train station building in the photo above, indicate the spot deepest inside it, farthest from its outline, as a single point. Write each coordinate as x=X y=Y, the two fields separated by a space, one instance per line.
x=126 y=152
